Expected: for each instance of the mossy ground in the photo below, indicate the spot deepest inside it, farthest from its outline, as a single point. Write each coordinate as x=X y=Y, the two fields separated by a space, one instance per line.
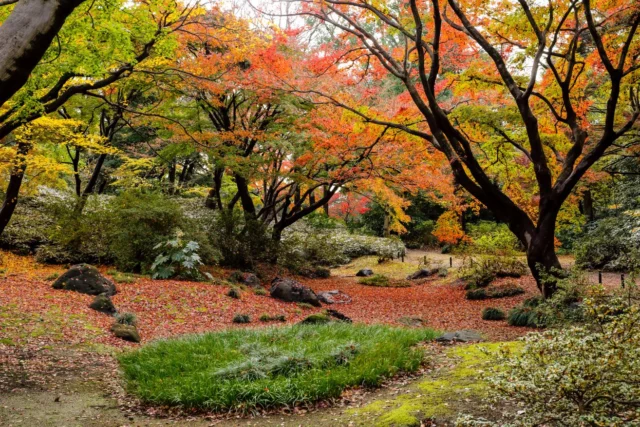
x=393 y=269
x=442 y=396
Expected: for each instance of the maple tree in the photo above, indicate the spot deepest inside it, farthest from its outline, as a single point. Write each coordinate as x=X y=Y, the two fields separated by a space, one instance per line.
x=522 y=99
x=100 y=44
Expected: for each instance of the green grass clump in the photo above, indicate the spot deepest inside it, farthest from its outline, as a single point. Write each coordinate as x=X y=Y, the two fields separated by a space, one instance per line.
x=52 y=276
x=277 y=318
x=492 y=313
x=260 y=291
x=234 y=293
x=241 y=318
x=127 y=319
x=525 y=316
x=245 y=369
x=504 y=291
x=382 y=281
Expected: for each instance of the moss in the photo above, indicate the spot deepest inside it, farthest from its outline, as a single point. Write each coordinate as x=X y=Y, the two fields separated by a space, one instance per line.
x=436 y=396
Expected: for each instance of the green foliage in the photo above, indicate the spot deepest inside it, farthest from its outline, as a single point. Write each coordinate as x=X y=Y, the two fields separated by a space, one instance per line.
x=241 y=243
x=177 y=259
x=275 y=318
x=492 y=313
x=490 y=238
x=312 y=272
x=270 y=367
x=586 y=375
x=126 y=319
x=260 y=291
x=317 y=319
x=610 y=244
x=492 y=292
x=234 y=293
x=241 y=318
x=480 y=272
x=319 y=220
x=525 y=316
x=376 y=280
x=52 y=276
x=139 y=222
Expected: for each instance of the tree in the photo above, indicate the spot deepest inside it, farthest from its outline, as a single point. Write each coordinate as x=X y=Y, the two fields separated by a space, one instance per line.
x=549 y=88
x=26 y=34
x=93 y=39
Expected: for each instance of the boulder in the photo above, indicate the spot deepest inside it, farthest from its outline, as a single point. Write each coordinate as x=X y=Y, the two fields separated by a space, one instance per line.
x=291 y=291
x=103 y=304
x=247 y=279
x=334 y=297
x=423 y=273
x=339 y=316
x=125 y=332
x=85 y=279
x=365 y=272
x=460 y=336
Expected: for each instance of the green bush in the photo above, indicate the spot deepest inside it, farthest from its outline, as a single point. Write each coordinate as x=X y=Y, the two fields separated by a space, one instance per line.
x=586 y=375
x=610 y=244
x=490 y=238
x=383 y=281
x=493 y=292
x=480 y=272
x=178 y=258
x=248 y=369
x=260 y=291
x=526 y=316
x=476 y=294
x=275 y=318
x=126 y=319
x=492 y=313
x=234 y=293
x=138 y=222
x=241 y=318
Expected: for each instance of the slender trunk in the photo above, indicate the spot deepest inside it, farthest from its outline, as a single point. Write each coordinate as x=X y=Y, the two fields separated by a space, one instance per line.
x=13 y=189
x=587 y=204
x=326 y=205
x=385 y=227
x=91 y=184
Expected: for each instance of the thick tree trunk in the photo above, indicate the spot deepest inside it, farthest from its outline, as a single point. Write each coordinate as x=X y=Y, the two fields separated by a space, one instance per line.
x=13 y=189
x=544 y=264
x=26 y=35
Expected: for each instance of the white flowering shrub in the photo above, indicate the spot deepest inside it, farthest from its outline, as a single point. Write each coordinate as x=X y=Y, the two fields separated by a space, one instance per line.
x=587 y=375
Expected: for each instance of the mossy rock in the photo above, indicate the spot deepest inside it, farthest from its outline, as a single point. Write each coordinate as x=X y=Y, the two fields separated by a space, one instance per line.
x=103 y=304
x=125 y=332
x=85 y=279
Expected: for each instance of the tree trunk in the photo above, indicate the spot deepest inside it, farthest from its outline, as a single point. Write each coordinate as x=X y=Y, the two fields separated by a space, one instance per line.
x=541 y=254
x=26 y=35
x=587 y=204
x=13 y=189
x=385 y=227
x=91 y=184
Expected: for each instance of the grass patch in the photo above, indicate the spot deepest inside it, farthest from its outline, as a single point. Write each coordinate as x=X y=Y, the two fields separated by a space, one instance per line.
x=383 y=282
x=271 y=367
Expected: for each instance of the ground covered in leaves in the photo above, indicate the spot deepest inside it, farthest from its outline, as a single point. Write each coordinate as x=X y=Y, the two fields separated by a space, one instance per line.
x=50 y=340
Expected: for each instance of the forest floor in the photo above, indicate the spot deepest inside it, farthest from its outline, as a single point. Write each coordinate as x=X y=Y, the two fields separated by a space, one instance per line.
x=57 y=364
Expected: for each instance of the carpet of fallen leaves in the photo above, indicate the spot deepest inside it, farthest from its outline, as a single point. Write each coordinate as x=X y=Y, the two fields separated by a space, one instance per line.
x=45 y=332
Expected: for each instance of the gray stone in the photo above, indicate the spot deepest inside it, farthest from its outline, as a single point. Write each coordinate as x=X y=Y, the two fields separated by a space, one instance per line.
x=460 y=336
x=423 y=273
x=334 y=297
x=292 y=291
x=365 y=272
x=85 y=279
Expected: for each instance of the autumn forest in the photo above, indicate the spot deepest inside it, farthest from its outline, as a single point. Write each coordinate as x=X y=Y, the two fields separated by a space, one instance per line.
x=319 y=212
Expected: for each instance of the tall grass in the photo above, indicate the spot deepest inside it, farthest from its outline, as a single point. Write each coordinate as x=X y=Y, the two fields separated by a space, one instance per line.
x=263 y=368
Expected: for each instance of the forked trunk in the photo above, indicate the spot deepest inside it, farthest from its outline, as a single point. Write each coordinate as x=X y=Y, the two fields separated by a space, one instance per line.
x=13 y=189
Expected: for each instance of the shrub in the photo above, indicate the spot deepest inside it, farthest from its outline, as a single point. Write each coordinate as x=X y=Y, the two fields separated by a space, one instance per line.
x=610 y=244
x=177 y=258
x=525 y=316
x=126 y=319
x=234 y=293
x=492 y=313
x=317 y=319
x=314 y=272
x=241 y=318
x=138 y=222
x=503 y=291
x=275 y=318
x=587 y=375
x=476 y=294
x=375 y=280
x=490 y=238
x=270 y=367
x=478 y=273
x=443 y=272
